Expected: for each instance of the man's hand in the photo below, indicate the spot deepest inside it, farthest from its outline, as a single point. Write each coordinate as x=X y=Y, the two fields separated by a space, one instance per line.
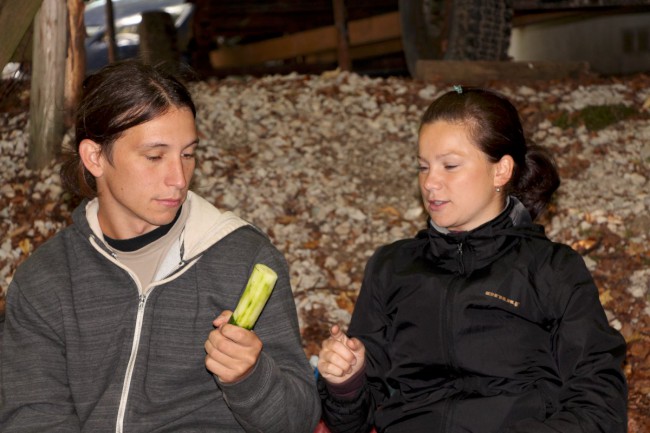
x=231 y=351
x=340 y=357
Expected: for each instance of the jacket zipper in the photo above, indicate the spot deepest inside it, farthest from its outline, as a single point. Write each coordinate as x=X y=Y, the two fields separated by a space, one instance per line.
x=144 y=294
x=129 y=369
x=447 y=323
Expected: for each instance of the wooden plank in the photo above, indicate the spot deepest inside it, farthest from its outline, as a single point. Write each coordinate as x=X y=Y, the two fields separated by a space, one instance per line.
x=374 y=29
x=47 y=85
x=15 y=18
x=364 y=31
x=359 y=52
x=480 y=72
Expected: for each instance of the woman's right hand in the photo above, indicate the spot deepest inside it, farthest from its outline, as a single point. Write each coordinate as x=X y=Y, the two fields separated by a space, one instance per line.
x=340 y=357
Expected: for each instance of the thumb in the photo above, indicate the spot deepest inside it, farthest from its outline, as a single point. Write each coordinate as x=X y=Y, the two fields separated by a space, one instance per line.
x=337 y=333
x=222 y=319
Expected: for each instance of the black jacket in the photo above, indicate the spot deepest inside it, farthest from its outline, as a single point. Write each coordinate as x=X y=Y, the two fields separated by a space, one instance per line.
x=493 y=330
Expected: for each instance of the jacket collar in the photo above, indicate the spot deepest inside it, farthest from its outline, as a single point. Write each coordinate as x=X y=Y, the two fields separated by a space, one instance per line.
x=465 y=252
x=205 y=226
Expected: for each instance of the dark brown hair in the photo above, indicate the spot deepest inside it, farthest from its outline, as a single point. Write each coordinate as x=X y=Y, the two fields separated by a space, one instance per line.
x=118 y=97
x=495 y=126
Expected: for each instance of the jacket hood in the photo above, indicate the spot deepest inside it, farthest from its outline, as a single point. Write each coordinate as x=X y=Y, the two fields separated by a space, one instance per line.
x=206 y=225
x=464 y=252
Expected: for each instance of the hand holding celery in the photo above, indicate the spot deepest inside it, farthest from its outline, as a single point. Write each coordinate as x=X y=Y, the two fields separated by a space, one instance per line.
x=257 y=292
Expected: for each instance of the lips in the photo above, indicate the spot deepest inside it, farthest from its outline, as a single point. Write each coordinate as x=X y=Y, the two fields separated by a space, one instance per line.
x=171 y=202
x=435 y=205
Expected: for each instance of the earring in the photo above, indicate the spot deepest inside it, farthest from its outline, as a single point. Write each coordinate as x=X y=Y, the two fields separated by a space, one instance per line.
x=498 y=189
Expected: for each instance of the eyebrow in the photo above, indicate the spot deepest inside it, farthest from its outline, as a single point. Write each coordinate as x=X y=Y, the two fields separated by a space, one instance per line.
x=442 y=155
x=158 y=144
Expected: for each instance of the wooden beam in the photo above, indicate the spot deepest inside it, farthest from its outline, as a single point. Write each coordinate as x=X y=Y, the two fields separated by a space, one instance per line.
x=47 y=85
x=15 y=18
x=365 y=31
x=359 y=52
x=479 y=72
x=375 y=29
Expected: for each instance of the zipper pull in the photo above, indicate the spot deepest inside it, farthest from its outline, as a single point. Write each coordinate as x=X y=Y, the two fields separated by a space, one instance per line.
x=460 y=258
x=143 y=299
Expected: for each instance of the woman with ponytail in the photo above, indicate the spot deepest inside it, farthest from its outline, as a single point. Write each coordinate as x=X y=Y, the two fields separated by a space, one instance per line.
x=480 y=323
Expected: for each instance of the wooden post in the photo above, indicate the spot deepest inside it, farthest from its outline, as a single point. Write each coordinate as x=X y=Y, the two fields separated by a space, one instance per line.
x=15 y=19
x=110 y=32
x=158 y=41
x=48 y=80
x=75 y=70
x=343 y=38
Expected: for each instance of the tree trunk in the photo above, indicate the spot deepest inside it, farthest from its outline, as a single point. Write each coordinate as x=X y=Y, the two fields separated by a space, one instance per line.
x=47 y=84
x=76 y=61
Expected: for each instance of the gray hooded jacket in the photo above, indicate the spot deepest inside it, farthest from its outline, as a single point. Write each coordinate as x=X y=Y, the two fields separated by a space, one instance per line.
x=86 y=349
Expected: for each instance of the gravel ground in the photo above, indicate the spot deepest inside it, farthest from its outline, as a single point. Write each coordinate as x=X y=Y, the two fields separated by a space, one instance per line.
x=325 y=164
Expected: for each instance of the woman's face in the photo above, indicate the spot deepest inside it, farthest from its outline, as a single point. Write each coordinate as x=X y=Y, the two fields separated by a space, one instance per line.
x=457 y=181
x=148 y=178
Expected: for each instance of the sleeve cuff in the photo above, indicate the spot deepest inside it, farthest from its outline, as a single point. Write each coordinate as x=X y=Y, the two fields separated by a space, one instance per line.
x=348 y=389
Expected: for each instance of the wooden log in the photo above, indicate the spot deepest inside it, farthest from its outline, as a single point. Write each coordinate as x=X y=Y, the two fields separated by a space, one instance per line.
x=47 y=85
x=323 y=39
x=15 y=19
x=480 y=72
x=75 y=69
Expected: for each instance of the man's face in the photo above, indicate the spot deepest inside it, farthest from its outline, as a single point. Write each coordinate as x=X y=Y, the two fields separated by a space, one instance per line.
x=148 y=178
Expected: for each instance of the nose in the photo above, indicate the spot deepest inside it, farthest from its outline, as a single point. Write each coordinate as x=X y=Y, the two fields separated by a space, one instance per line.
x=431 y=181
x=178 y=174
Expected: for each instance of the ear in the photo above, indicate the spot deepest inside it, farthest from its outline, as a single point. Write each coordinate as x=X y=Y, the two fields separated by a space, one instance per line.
x=503 y=171
x=91 y=156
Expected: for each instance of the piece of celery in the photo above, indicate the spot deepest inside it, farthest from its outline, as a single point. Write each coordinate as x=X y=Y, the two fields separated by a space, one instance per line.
x=258 y=289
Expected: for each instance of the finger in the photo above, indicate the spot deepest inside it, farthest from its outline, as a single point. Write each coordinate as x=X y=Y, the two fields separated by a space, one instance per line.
x=228 y=354
x=222 y=319
x=333 y=350
x=241 y=336
x=224 y=372
x=238 y=344
x=341 y=361
x=354 y=344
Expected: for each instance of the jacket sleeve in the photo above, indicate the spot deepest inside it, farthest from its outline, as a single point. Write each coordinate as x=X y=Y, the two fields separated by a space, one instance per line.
x=341 y=415
x=589 y=354
x=369 y=324
x=34 y=392
x=280 y=394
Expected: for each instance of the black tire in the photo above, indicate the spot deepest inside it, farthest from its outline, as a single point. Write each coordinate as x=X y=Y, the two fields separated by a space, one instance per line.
x=455 y=30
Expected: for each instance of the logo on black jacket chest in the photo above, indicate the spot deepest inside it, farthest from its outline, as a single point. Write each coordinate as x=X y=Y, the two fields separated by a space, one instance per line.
x=503 y=298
